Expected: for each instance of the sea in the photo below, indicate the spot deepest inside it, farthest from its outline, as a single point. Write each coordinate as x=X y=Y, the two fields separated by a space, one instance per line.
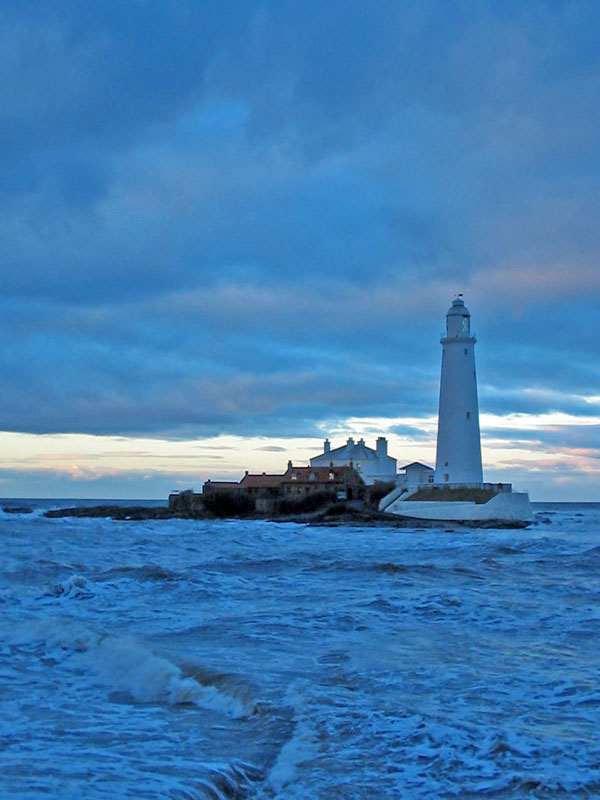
x=255 y=659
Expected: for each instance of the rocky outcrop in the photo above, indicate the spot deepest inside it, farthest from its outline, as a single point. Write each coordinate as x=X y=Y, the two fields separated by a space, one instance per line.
x=331 y=515
x=114 y=512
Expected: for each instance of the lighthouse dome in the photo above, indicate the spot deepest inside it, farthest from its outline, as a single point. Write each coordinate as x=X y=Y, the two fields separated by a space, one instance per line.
x=458 y=319
x=458 y=308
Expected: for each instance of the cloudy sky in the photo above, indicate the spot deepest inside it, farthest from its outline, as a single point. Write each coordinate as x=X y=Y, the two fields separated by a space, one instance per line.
x=232 y=228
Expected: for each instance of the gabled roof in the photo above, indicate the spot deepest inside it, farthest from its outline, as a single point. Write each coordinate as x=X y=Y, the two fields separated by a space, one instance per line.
x=353 y=445
x=418 y=464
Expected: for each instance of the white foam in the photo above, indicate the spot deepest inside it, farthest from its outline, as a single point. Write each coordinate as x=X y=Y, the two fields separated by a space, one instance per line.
x=302 y=747
x=55 y=635
x=130 y=667
x=123 y=664
x=75 y=586
x=299 y=749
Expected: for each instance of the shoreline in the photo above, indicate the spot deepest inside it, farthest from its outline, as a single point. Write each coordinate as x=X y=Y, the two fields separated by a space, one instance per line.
x=329 y=516
x=335 y=514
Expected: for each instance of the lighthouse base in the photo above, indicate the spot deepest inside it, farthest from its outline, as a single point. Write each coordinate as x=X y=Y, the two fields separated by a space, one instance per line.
x=502 y=509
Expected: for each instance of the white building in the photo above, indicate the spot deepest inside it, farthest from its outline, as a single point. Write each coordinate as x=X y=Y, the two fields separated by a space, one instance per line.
x=372 y=465
x=416 y=474
x=458 y=457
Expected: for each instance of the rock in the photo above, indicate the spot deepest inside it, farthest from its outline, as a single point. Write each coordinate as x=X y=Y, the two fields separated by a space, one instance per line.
x=114 y=512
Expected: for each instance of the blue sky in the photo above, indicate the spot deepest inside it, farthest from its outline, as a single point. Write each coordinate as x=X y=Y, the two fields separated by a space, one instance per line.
x=230 y=229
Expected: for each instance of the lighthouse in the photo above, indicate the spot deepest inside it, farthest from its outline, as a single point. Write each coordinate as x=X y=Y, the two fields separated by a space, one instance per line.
x=458 y=457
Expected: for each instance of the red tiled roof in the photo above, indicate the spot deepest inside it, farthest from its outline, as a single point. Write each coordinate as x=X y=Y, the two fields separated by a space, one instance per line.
x=260 y=481
x=321 y=474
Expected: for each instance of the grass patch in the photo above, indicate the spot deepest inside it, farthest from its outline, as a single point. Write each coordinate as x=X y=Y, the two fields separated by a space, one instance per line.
x=448 y=495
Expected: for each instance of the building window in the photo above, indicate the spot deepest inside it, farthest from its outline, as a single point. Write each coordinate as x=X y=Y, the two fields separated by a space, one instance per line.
x=468 y=415
x=331 y=476
x=446 y=477
x=466 y=351
x=313 y=476
x=445 y=463
x=430 y=477
x=294 y=476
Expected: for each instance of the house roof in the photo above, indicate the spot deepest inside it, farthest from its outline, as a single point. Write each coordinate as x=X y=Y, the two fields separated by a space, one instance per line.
x=352 y=451
x=260 y=481
x=419 y=465
x=221 y=484
x=320 y=474
x=354 y=445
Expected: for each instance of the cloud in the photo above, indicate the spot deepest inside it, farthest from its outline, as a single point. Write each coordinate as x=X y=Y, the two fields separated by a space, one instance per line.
x=410 y=431
x=260 y=360
x=252 y=216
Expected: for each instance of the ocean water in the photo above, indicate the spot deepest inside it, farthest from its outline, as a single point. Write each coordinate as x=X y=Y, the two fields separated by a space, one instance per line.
x=236 y=659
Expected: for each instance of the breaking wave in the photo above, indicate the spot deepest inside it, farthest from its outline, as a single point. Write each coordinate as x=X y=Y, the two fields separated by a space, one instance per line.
x=76 y=587
x=123 y=664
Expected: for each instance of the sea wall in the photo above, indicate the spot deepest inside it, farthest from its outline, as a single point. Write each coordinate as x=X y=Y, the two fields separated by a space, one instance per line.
x=504 y=507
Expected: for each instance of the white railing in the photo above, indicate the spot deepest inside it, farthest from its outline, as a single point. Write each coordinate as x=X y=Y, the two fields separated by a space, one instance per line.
x=498 y=487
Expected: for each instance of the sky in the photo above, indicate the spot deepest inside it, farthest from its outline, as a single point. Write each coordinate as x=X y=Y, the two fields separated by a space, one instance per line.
x=231 y=229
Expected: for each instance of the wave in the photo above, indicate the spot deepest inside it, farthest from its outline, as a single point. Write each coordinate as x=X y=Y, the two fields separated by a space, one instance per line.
x=219 y=782
x=391 y=568
x=75 y=587
x=146 y=572
x=425 y=570
x=230 y=685
x=301 y=747
x=130 y=667
x=125 y=665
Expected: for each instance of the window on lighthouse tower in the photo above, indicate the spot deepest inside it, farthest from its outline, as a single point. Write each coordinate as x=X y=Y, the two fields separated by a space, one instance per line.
x=465 y=324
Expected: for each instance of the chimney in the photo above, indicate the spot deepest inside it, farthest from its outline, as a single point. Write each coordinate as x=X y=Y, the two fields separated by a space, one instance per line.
x=289 y=464
x=381 y=447
x=326 y=446
x=350 y=440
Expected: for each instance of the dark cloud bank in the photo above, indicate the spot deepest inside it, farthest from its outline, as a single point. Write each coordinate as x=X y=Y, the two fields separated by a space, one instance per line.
x=251 y=217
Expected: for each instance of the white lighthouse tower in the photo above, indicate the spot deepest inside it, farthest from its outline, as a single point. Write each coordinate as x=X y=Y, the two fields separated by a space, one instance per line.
x=458 y=457
x=458 y=460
